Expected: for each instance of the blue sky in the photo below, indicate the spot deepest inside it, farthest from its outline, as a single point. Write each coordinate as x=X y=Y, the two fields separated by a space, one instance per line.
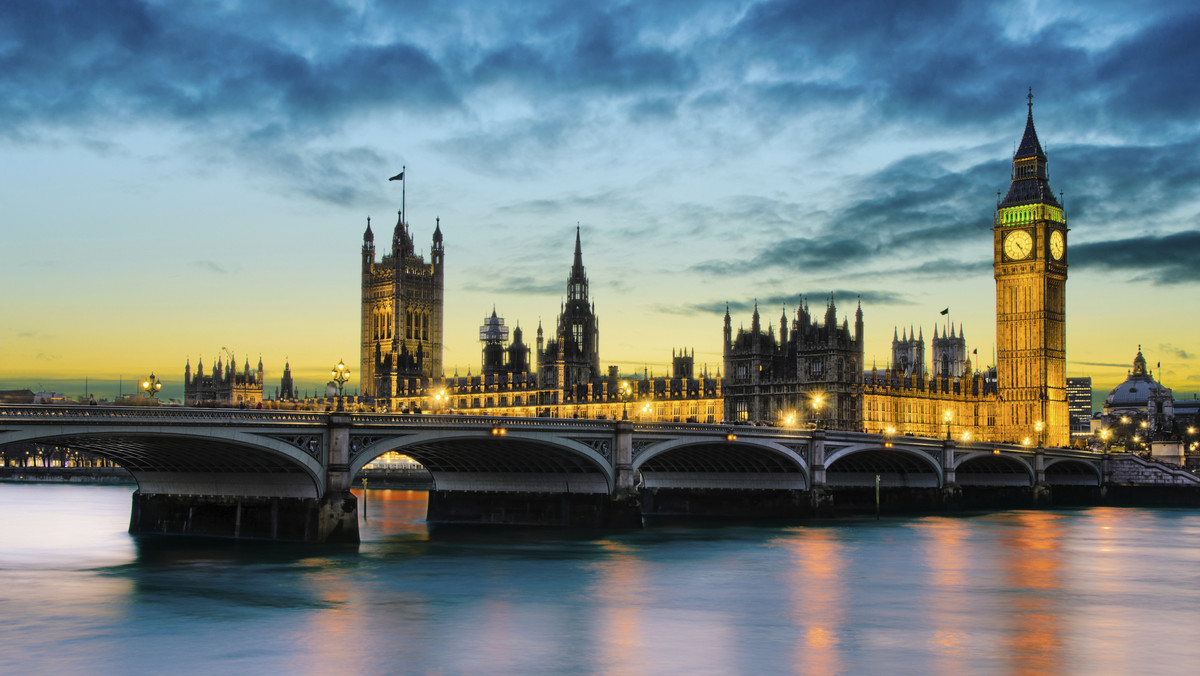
x=187 y=177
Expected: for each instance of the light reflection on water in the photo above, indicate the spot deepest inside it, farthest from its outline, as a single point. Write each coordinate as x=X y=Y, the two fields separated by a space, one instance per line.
x=1093 y=591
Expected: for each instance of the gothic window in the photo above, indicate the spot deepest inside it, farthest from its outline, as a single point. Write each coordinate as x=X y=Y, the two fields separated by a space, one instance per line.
x=815 y=368
x=577 y=335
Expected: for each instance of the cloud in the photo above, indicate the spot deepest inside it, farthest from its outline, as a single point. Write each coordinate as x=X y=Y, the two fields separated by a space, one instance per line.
x=844 y=299
x=892 y=218
x=518 y=285
x=210 y=266
x=1177 y=352
x=1162 y=260
x=1100 y=363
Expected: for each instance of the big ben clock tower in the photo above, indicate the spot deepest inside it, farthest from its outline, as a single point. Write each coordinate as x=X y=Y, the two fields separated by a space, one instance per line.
x=1030 y=266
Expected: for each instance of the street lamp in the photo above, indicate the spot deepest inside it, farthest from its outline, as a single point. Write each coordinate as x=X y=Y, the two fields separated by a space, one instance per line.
x=947 y=415
x=626 y=393
x=340 y=375
x=1040 y=426
x=1105 y=434
x=647 y=410
x=816 y=405
x=438 y=399
x=151 y=386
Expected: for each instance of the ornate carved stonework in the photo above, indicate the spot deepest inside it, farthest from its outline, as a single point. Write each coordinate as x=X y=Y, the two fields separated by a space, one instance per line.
x=600 y=446
x=640 y=446
x=309 y=443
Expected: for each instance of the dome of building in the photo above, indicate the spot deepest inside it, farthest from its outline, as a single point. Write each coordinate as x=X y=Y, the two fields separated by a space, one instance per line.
x=1137 y=390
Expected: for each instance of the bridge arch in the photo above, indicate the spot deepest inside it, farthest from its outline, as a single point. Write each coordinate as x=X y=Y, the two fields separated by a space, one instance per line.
x=987 y=468
x=521 y=461
x=897 y=466
x=707 y=462
x=1073 y=472
x=197 y=460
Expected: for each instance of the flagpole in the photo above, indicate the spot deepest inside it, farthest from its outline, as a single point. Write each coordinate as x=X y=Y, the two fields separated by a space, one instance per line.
x=403 y=190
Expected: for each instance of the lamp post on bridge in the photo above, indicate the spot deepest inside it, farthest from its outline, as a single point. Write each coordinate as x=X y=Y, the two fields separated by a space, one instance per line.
x=340 y=375
x=626 y=393
x=947 y=416
x=151 y=386
x=816 y=405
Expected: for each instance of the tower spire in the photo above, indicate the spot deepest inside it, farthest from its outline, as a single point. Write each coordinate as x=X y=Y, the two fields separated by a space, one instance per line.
x=577 y=283
x=1030 y=181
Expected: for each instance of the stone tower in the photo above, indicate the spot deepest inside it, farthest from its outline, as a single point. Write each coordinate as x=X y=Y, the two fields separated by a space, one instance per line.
x=1030 y=267
x=402 y=306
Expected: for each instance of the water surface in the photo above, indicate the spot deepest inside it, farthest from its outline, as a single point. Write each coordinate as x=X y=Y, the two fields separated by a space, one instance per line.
x=1094 y=591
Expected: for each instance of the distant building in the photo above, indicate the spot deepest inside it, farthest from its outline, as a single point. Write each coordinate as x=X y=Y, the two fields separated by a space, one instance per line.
x=224 y=386
x=1079 y=406
x=287 y=387
x=1139 y=410
x=16 y=396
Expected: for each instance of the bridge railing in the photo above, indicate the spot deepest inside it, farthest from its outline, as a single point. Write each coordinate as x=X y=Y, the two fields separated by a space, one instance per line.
x=157 y=413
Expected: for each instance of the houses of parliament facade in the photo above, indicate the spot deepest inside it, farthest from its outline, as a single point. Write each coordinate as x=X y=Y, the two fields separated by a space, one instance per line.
x=811 y=370
x=401 y=358
x=815 y=371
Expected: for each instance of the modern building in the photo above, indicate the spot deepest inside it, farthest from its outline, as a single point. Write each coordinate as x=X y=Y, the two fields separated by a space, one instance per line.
x=402 y=306
x=224 y=386
x=1079 y=405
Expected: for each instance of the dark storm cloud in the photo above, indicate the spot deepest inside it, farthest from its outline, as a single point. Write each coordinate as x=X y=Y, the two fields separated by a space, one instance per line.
x=1148 y=76
x=907 y=211
x=579 y=47
x=1165 y=260
x=89 y=61
x=295 y=72
x=1126 y=187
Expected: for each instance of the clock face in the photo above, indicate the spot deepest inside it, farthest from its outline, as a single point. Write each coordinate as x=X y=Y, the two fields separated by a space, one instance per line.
x=1057 y=245
x=1018 y=245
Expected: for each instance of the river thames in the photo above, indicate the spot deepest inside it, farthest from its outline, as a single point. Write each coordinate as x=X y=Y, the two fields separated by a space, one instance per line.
x=1090 y=591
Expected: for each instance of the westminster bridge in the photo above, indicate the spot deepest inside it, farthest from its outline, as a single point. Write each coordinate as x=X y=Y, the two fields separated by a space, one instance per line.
x=287 y=475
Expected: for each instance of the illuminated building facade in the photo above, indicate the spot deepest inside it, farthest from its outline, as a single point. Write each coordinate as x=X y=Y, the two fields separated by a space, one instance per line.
x=808 y=373
x=1030 y=267
x=402 y=304
x=567 y=383
x=1022 y=399
x=224 y=386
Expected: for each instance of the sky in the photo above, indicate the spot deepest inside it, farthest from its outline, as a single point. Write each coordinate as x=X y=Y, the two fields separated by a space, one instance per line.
x=188 y=180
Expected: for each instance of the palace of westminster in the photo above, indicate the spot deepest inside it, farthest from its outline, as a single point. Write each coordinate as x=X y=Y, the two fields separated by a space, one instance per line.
x=811 y=370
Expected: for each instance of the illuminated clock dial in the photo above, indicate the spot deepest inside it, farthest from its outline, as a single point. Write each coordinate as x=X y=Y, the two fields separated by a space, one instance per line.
x=1057 y=245
x=1018 y=245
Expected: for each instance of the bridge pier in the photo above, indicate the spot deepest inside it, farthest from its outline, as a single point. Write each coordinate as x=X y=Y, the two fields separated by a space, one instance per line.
x=331 y=519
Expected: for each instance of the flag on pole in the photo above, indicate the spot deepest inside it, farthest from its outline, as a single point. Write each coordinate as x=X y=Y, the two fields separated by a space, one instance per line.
x=946 y=311
x=397 y=177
